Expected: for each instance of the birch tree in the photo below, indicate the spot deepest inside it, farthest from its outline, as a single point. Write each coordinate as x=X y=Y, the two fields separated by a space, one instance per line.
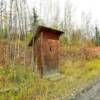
x=86 y=26
x=68 y=26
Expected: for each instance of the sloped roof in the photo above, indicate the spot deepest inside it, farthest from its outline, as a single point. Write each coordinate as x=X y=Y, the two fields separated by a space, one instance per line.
x=44 y=29
x=48 y=29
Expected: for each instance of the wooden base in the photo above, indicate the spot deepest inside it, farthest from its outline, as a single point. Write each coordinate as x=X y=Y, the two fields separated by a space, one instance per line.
x=54 y=77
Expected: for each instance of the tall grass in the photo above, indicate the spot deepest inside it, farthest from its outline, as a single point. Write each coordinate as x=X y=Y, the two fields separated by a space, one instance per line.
x=20 y=83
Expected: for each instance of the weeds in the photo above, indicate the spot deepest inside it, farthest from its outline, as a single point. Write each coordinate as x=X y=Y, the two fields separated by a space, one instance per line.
x=22 y=84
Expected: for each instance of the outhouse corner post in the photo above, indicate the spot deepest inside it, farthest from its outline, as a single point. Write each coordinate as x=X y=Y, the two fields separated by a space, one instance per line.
x=42 y=54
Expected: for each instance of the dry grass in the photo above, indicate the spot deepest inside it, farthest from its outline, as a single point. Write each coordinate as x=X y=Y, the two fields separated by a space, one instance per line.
x=23 y=84
x=18 y=82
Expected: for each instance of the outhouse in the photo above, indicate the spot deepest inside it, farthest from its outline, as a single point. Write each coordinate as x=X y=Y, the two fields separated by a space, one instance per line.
x=46 y=50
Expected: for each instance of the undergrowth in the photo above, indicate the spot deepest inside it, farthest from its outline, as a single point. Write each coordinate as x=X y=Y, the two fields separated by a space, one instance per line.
x=20 y=83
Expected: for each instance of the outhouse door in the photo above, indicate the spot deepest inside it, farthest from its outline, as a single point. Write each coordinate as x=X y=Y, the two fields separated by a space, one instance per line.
x=51 y=56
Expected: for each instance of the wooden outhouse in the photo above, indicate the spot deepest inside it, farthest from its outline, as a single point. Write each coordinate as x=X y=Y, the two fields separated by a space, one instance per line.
x=46 y=50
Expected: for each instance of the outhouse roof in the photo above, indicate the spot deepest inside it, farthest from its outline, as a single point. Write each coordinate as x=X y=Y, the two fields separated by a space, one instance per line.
x=48 y=29
x=45 y=29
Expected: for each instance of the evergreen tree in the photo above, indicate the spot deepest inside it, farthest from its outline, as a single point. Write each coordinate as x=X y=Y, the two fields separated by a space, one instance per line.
x=97 y=34
x=35 y=22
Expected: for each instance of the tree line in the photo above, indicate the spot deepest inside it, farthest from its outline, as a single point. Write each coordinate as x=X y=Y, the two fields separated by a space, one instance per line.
x=17 y=20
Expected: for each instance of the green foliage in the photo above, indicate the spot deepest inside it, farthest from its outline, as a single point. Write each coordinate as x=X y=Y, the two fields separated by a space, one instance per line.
x=64 y=39
x=55 y=26
x=75 y=39
x=97 y=36
x=29 y=36
x=3 y=33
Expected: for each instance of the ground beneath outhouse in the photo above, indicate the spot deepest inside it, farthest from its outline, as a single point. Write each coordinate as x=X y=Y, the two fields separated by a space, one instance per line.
x=92 y=93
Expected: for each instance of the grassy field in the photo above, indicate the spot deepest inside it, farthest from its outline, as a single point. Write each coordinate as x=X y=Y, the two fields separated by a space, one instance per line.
x=79 y=67
x=20 y=83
